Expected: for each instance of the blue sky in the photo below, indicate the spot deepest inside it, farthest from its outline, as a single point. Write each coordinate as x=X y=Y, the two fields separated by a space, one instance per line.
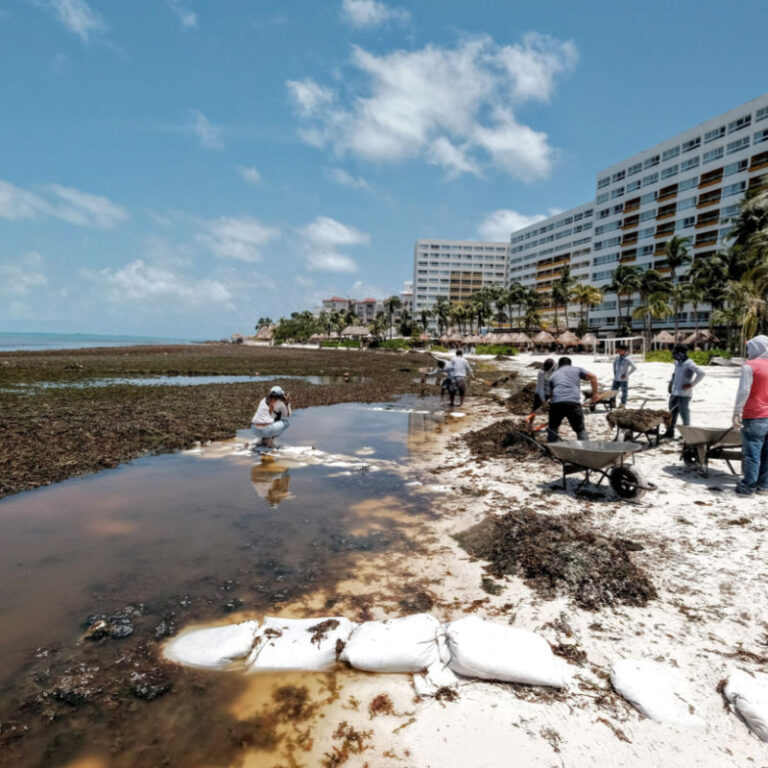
x=183 y=167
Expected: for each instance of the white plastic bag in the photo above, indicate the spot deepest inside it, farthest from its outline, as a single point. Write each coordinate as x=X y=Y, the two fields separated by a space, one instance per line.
x=212 y=648
x=748 y=697
x=492 y=651
x=298 y=644
x=654 y=690
x=409 y=644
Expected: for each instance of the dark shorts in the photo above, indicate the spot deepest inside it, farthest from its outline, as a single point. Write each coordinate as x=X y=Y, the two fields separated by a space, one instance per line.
x=461 y=386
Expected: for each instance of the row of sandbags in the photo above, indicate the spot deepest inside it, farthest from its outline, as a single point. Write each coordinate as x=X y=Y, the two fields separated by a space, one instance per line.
x=435 y=653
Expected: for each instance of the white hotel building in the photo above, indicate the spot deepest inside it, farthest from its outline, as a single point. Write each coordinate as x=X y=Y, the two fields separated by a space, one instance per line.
x=455 y=269
x=687 y=186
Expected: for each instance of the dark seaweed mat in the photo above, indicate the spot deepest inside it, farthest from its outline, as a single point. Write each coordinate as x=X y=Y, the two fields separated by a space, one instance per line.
x=557 y=556
x=503 y=438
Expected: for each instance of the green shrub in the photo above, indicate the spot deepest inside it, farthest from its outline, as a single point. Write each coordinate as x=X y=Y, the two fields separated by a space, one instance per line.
x=700 y=358
x=397 y=344
x=346 y=343
x=438 y=348
x=495 y=349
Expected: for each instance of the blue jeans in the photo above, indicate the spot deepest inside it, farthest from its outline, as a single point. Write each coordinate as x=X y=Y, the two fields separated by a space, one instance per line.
x=682 y=405
x=624 y=387
x=754 y=447
x=272 y=430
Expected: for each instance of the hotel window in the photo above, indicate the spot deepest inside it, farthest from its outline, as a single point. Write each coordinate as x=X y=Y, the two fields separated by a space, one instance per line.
x=737 y=125
x=633 y=169
x=649 y=214
x=646 y=233
x=618 y=176
x=688 y=183
x=617 y=208
x=602 y=197
x=648 y=198
x=687 y=203
x=714 y=134
x=734 y=189
x=668 y=154
x=650 y=179
x=603 y=213
x=604 y=182
x=761 y=136
x=646 y=250
x=667 y=172
x=735 y=146
x=633 y=185
x=761 y=114
x=686 y=165
x=688 y=221
x=689 y=146
x=650 y=162
x=713 y=154
x=618 y=192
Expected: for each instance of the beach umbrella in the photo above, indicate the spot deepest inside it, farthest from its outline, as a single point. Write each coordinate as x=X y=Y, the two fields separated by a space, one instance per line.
x=356 y=331
x=568 y=339
x=701 y=336
x=542 y=337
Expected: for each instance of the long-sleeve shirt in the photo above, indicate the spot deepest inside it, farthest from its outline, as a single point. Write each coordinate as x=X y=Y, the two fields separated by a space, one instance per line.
x=264 y=416
x=542 y=384
x=623 y=368
x=459 y=368
x=687 y=374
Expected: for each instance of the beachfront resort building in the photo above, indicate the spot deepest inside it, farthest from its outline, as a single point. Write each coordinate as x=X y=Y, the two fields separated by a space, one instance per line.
x=686 y=186
x=455 y=269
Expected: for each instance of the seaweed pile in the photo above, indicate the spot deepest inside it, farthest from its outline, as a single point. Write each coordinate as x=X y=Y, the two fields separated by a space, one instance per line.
x=638 y=419
x=503 y=438
x=521 y=403
x=559 y=556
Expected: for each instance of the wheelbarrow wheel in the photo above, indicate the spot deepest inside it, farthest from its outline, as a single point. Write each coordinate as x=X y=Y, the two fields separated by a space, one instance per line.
x=690 y=456
x=628 y=482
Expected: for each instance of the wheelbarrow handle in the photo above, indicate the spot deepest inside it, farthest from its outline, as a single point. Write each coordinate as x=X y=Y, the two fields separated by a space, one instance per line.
x=543 y=448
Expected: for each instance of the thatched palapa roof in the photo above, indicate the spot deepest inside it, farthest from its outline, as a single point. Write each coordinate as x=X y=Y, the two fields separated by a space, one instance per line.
x=568 y=339
x=542 y=337
x=704 y=335
x=355 y=330
x=663 y=337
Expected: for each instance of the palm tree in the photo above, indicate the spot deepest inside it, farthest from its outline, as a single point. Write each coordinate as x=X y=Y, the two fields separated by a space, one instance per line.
x=625 y=282
x=655 y=307
x=336 y=321
x=460 y=313
x=378 y=327
x=694 y=295
x=749 y=233
x=391 y=304
x=561 y=289
x=405 y=323
x=586 y=296
x=678 y=295
x=652 y=283
x=263 y=322
x=425 y=315
x=498 y=296
x=515 y=298
x=442 y=311
x=531 y=301
x=676 y=255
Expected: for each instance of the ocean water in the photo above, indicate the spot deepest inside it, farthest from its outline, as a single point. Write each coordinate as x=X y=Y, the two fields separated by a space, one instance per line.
x=17 y=341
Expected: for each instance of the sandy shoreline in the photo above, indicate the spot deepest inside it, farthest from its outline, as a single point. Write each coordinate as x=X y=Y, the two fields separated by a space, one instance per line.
x=702 y=548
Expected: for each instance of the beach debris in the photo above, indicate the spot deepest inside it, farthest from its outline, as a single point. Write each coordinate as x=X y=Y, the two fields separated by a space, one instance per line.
x=747 y=697
x=521 y=403
x=296 y=644
x=638 y=419
x=655 y=690
x=507 y=437
x=116 y=626
x=510 y=376
x=558 y=556
x=212 y=647
x=436 y=682
x=410 y=644
x=491 y=651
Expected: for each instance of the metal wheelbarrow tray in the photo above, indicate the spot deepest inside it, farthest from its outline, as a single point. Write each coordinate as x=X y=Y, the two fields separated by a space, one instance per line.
x=606 y=398
x=622 y=419
x=700 y=444
x=606 y=458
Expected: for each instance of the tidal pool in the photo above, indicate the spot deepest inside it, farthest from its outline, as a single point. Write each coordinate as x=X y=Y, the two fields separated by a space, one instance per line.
x=172 y=540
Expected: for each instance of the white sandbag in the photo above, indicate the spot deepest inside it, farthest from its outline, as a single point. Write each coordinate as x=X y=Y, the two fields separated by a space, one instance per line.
x=438 y=677
x=409 y=644
x=655 y=691
x=748 y=697
x=298 y=644
x=491 y=651
x=212 y=648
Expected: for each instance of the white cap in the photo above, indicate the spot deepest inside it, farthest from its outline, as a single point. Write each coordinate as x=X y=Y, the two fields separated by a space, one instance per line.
x=277 y=391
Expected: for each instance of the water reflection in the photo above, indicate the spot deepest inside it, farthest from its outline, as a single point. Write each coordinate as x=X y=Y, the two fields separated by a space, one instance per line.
x=270 y=480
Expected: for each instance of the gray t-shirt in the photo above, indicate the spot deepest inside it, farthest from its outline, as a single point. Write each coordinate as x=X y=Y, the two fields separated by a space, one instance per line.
x=565 y=384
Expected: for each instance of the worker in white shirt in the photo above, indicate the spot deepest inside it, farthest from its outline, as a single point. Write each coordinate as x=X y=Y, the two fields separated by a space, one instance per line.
x=271 y=417
x=623 y=368
x=458 y=371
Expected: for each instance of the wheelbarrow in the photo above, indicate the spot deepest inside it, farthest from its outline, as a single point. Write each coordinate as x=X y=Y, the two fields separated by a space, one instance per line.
x=606 y=398
x=700 y=444
x=624 y=419
x=603 y=457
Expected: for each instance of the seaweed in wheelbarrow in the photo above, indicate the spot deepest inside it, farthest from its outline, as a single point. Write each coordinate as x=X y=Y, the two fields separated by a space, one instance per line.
x=638 y=419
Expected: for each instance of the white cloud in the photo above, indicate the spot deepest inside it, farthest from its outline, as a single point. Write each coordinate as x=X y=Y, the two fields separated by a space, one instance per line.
x=23 y=277
x=208 y=135
x=142 y=283
x=364 y=14
x=342 y=178
x=65 y=203
x=186 y=17
x=498 y=225
x=250 y=174
x=323 y=236
x=237 y=238
x=452 y=106
x=78 y=17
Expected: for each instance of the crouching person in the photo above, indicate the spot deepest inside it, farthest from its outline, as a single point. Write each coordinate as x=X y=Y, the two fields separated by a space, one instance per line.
x=271 y=417
x=565 y=401
x=751 y=414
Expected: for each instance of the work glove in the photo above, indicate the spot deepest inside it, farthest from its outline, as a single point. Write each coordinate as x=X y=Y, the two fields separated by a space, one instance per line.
x=736 y=420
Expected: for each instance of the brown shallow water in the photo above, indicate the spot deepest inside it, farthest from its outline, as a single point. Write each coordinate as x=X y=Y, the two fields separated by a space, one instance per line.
x=173 y=540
